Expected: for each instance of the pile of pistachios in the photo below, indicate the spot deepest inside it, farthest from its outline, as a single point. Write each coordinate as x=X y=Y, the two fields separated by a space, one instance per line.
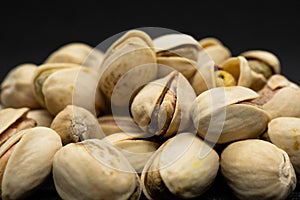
x=150 y=118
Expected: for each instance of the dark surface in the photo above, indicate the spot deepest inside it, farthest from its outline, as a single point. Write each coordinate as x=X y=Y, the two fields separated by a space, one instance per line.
x=30 y=32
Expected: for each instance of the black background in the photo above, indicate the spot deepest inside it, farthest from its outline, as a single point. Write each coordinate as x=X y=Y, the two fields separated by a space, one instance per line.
x=30 y=31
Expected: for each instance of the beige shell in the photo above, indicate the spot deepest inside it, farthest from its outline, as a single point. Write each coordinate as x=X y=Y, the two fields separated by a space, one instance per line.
x=178 y=170
x=280 y=97
x=74 y=124
x=284 y=132
x=162 y=107
x=256 y=169
x=29 y=163
x=41 y=116
x=71 y=85
x=17 y=89
x=129 y=63
x=77 y=53
x=223 y=115
x=136 y=149
x=238 y=67
x=115 y=124
x=94 y=169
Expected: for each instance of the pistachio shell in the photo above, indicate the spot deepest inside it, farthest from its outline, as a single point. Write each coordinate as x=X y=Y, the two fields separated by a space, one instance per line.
x=34 y=147
x=17 y=89
x=9 y=116
x=284 y=132
x=209 y=41
x=108 y=174
x=177 y=169
x=258 y=81
x=41 y=116
x=256 y=169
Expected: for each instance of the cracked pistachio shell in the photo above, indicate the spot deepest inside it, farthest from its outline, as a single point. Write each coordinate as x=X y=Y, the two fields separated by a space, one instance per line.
x=258 y=81
x=17 y=89
x=162 y=107
x=108 y=174
x=26 y=161
x=76 y=86
x=238 y=67
x=75 y=124
x=280 y=97
x=178 y=170
x=284 y=132
x=115 y=124
x=224 y=115
x=41 y=116
x=136 y=149
x=77 y=53
x=130 y=60
x=256 y=169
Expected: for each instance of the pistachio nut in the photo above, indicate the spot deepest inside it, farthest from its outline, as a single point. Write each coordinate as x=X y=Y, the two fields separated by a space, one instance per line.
x=26 y=161
x=284 y=132
x=256 y=169
x=108 y=174
x=162 y=107
x=115 y=124
x=74 y=124
x=279 y=97
x=136 y=149
x=215 y=49
x=77 y=53
x=177 y=171
x=225 y=114
x=41 y=116
x=130 y=56
x=57 y=88
x=263 y=64
x=17 y=89
x=12 y=121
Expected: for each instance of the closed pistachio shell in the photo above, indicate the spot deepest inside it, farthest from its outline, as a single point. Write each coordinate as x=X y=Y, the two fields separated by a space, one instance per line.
x=130 y=59
x=17 y=89
x=284 y=132
x=41 y=116
x=77 y=53
x=223 y=115
x=34 y=147
x=256 y=169
x=177 y=169
x=108 y=174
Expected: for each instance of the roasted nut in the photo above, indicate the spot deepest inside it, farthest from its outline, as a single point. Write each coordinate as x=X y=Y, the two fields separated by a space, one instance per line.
x=41 y=116
x=178 y=171
x=26 y=161
x=284 y=132
x=74 y=124
x=59 y=85
x=136 y=149
x=115 y=124
x=279 y=97
x=229 y=111
x=94 y=169
x=77 y=53
x=162 y=107
x=17 y=89
x=12 y=121
x=256 y=169
x=132 y=53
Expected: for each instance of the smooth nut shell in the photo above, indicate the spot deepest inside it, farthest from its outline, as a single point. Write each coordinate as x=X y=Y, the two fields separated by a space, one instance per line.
x=41 y=116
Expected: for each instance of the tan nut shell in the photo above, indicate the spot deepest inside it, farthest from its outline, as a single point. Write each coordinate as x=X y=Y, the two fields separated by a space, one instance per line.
x=94 y=169
x=17 y=89
x=178 y=170
x=131 y=53
x=284 y=132
x=41 y=116
x=77 y=53
x=238 y=67
x=222 y=108
x=256 y=169
x=31 y=161
x=74 y=124
x=135 y=149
